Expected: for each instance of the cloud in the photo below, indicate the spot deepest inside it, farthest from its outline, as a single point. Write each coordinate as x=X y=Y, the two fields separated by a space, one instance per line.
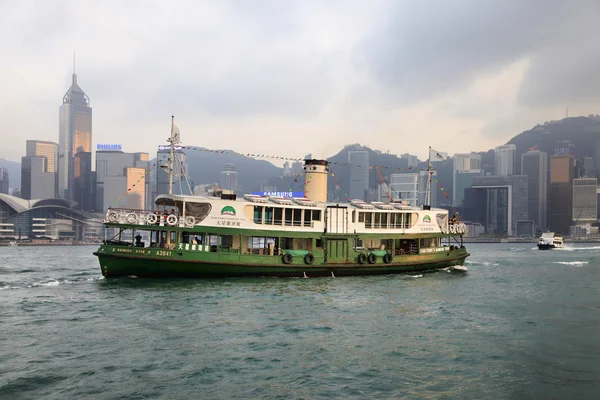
x=297 y=77
x=431 y=47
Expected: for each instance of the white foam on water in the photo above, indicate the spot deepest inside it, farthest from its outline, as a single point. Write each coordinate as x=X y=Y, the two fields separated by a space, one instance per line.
x=416 y=276
x=461 y=268
x=578 y=248
x=573 y=263
x=484 y=263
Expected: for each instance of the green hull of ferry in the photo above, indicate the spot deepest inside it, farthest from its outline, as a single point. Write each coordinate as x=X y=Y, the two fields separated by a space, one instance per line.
x=116 y=261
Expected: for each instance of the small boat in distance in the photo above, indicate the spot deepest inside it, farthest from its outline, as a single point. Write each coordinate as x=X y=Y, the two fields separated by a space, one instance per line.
x=550 y=240
x=12 y=243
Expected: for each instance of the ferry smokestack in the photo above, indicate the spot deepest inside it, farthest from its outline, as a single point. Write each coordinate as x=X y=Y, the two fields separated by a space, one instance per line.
x=315 y=180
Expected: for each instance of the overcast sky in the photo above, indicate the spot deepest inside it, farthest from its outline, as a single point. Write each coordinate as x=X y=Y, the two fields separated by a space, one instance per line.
x=287 y=78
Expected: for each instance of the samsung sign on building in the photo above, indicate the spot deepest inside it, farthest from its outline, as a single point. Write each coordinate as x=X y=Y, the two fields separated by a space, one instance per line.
x=279 y=194
x=108 y=147
x=167 y=147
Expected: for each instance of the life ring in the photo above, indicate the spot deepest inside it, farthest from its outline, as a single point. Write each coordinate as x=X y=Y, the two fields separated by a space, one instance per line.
x=190 y=221
x=452 y=229
x=309 y=259
x=287 y=258
x=151 y=218
x=132 y=218
x=113 y=216
x=387 y=258
x=463 y=228
x=172 y=219
x=362 y=258
x=372 y=258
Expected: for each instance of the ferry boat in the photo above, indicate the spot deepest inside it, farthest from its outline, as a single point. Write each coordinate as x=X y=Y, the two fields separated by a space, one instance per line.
x=550 y=240
x=195 y=236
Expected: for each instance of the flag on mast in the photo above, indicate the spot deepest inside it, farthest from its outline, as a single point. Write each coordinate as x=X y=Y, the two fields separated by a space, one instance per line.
x=435 y=155
x=175 y=137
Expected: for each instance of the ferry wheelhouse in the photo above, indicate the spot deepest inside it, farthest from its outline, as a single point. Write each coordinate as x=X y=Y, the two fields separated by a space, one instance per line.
x=193 y=236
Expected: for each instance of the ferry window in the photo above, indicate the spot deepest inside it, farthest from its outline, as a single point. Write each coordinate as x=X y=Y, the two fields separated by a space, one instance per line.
x=269 y=215
x=393 y=220
x=256 y=242
x=353 y=216
x=377 y=220
x=278 y=217
x=368 y=220
x=258 y=214
x=316 y=215
x=319 y=243
x=288 y=216
x=307 y=218
x=361 y=217
x=414 y=217
x=297 y=217
x=384 y=218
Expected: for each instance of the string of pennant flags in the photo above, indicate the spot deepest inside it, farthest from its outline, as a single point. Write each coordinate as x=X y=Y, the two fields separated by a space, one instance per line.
x=267 y=156
x=296 y=178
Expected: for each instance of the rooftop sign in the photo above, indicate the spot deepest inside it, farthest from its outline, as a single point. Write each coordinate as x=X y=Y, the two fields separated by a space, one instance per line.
x=279 y=194
x=167 y=147
x=108 y=147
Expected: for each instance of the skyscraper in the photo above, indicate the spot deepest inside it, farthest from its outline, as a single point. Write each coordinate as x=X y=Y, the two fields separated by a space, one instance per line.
x=4 y=180
x=359 y=174
x=75 y=138
x=116 y=173
x=534 y=164
x=466 y=166
x=405 y=187
x=560 y=210
x=38 y=170
x=504 y=158
x=229 y=177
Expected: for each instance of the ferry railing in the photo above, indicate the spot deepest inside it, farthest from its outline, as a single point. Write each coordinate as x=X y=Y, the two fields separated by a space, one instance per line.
x=148 y=218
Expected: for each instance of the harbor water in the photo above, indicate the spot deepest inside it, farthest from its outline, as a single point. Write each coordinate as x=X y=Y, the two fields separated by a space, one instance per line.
x=520 y=323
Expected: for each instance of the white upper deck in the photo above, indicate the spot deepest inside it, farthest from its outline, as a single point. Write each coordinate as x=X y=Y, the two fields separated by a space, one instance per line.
x=303 y=215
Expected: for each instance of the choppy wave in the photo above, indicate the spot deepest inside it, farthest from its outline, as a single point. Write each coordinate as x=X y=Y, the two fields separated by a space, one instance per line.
x=484 y=263
x=578 y=248
x=574 y=263
x=55 y=282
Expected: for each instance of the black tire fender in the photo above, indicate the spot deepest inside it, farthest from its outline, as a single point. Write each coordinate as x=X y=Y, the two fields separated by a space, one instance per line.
x=372 y=258
x=287 y=258
x=309 y=259
x=362 y=258
x=387 y=258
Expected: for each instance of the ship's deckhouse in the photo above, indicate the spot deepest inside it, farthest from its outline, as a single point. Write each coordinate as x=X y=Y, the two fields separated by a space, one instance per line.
x=277 y=213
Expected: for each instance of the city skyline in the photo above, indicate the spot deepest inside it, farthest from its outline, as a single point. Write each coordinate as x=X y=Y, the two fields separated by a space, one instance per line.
x=272 y=71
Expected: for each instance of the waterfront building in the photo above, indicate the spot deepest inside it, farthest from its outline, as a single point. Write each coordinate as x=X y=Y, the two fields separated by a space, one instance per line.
x=359 y=174
x=229 y=177
x=560 y=209
x=46 y=218
x=498 y=202
x=465 y=167
x=4 y=180
x=534 y=164
x=504 y=159
x=75 y=147
x=116 y=173
x=405 y=187
x=585 y=202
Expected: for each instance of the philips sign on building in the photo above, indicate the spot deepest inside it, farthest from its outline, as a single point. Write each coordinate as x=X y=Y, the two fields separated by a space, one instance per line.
x=108 y=147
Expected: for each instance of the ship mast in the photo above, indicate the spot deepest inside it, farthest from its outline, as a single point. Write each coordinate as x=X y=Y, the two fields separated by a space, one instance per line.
x=427 y=205
x=172 y=140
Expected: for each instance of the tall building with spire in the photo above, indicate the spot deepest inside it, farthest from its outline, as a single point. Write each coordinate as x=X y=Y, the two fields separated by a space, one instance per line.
x=75 y=147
